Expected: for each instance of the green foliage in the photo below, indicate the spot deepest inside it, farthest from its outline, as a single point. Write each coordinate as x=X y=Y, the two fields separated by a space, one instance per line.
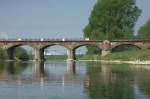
x=78 y=57
x=3 y=54
x=30 y=55
x=21 y=54
x=125 y=47
x=88 y=57
x=144 y=31
x=93 y=50
x=112 y=19
x=56 y=57
x=139 y=55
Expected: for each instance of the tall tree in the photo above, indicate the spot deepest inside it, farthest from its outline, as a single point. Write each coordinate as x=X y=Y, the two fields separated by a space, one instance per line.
x=112 y=19
x=144 y=31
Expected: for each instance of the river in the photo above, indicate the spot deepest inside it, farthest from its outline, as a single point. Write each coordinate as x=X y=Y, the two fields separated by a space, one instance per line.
x=73 y=80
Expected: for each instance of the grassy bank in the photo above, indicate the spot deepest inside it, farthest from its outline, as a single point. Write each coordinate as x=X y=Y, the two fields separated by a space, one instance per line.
x=78 y=57
x=55 y=57
x=139 y=55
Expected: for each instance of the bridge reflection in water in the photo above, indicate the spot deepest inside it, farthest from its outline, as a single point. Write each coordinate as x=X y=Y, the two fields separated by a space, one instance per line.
x=39 y=70
x=119 y=81
x=15 y=71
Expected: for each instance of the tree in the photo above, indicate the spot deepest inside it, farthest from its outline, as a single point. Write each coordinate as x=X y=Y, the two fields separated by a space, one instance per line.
x=21 y=54
x=112 y=19
x=3 y=54
x=144 y=31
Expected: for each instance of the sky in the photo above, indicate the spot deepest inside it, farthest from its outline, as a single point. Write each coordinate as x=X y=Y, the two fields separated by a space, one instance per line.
x=51 y=18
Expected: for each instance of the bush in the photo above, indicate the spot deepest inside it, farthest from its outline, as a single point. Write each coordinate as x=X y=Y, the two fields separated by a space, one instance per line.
x=138 y=55
x=3 y=54
x=21 y=54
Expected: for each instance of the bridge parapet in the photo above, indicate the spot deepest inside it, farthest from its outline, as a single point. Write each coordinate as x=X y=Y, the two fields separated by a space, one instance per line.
x=139 y=44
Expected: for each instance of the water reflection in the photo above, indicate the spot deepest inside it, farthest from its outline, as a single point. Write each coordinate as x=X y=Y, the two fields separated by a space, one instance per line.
x=71 y=66
x=71 y=71
x=142 y=77
x=115 y=82
x=38 y=70
x=15 y=67
x=50 y=73
x=10 y=67
x=74 y=80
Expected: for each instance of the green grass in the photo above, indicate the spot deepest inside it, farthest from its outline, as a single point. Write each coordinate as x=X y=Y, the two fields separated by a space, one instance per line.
x=138 y=55
x=78 y=57
x=55 y=57
x=88 y=57
x=134 y=55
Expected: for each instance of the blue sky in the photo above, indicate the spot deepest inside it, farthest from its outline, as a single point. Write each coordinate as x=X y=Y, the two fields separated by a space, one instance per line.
x=51 y=18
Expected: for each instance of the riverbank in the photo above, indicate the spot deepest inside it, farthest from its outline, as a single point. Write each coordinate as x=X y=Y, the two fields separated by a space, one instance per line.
x=120 y=62
x=136 y=55
x=130 y=57
x=127 y=62
x=78 y=57
x=102 y=61
x=141 y=56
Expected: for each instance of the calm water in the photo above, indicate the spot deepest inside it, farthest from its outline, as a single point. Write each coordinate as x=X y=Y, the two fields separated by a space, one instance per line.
x=68 y=80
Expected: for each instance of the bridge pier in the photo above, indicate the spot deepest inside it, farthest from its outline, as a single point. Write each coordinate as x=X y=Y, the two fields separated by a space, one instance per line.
x=105 y=52
x=106 y=47
x=71 y=54
x=71 y=68
x=42 y=54
x=38 y=54
x=10 y=53
x=38 y=70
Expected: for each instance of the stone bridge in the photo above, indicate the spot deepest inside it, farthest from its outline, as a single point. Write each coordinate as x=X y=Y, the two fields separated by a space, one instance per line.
x=71 y=45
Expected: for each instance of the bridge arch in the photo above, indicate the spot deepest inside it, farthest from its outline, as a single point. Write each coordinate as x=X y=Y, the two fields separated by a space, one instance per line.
x=81 y=50
x=17 y=45
x=13 y=51
x=125 y=46
x=57 y=44
x=53 y=50
x=80 y=45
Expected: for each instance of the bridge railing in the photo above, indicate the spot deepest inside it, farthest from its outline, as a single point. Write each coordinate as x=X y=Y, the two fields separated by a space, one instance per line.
x=64 y=39
x=41 y=39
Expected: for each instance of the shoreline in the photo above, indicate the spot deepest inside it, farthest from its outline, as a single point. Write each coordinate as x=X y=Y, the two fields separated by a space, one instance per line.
x=103 y=61
x=119 y=62
x=127 y=62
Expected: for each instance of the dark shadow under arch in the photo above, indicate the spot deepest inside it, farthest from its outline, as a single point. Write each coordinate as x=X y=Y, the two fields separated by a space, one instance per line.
x=19 y=52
